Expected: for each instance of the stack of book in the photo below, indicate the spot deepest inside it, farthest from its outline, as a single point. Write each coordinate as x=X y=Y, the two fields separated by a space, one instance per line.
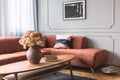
x=50 y=58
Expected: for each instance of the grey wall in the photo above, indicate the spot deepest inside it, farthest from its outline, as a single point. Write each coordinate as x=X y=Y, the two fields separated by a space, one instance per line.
x=101 y=25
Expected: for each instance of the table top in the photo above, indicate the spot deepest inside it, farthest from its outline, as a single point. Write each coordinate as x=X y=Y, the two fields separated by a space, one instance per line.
x=23 y=66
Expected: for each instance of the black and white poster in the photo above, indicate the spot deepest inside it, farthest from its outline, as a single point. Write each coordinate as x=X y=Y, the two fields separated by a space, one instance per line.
x=74 y=10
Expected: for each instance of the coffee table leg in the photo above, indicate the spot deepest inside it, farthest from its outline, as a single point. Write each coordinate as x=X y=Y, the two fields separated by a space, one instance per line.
x=0 y=77
x=70 y=70
x=16 y=76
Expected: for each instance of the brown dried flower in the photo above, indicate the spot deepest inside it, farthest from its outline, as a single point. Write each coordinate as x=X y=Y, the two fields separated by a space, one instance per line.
x=32 y=38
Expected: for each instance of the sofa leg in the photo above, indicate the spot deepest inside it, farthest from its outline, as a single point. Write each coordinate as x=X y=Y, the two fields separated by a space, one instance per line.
x=92 y=70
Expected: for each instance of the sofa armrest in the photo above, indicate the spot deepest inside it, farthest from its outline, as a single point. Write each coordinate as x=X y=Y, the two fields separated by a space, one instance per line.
x=94 y=57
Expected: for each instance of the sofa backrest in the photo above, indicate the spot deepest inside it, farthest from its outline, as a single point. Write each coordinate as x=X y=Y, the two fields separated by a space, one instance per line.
x=10 y=44
x=50 y=40
x=77 y=42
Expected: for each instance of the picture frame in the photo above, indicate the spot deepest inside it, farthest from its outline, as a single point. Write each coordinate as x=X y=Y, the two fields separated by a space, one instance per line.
x=73 y=10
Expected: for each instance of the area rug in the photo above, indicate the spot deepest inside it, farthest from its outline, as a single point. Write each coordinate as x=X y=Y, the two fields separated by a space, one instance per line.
x=62 y=76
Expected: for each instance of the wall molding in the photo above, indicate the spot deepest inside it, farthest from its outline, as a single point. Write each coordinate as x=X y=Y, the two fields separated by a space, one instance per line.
x=71 y=28
x=104 y=35
x=110 y=36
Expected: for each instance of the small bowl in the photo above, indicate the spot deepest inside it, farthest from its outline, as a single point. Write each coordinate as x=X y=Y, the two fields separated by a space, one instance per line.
x=110 y=69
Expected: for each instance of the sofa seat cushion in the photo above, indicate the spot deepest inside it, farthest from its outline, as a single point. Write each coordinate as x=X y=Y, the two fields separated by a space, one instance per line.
x=9 y=58
x=83 y=57
x=45 y=51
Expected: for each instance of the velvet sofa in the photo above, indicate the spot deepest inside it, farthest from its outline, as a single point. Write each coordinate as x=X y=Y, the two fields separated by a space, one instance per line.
x=11 y=51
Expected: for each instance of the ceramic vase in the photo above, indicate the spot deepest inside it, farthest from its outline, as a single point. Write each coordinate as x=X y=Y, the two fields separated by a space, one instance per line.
x=34 y=55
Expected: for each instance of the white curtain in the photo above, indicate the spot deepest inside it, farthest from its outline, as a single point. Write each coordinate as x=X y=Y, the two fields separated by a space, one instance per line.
x=18 y=16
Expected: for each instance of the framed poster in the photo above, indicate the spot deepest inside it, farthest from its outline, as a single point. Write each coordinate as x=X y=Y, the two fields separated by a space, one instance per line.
x=74 y=10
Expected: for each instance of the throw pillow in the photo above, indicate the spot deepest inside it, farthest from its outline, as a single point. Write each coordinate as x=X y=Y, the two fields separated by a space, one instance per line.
x=62 y=41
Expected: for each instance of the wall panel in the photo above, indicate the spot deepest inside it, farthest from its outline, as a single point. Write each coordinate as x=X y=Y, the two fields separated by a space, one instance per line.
x=101 y=26
x=95 y=14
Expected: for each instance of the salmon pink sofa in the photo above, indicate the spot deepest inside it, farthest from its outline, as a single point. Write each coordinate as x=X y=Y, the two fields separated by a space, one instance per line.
x=11 y=51
x=84 y=57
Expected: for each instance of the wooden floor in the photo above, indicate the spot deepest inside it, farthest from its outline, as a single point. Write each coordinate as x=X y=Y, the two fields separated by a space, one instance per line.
x=84 y=73
x=98 y=74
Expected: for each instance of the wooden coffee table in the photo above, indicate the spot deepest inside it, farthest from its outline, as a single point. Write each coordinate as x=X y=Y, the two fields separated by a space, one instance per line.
x=25 y=66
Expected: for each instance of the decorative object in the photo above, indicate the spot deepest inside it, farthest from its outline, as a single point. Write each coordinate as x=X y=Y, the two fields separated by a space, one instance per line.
x=51 y=58
x=74 y=10
x=33 y=40
x=33 y=54
x=62 y=76
x=63 y=41
x=110 y=69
